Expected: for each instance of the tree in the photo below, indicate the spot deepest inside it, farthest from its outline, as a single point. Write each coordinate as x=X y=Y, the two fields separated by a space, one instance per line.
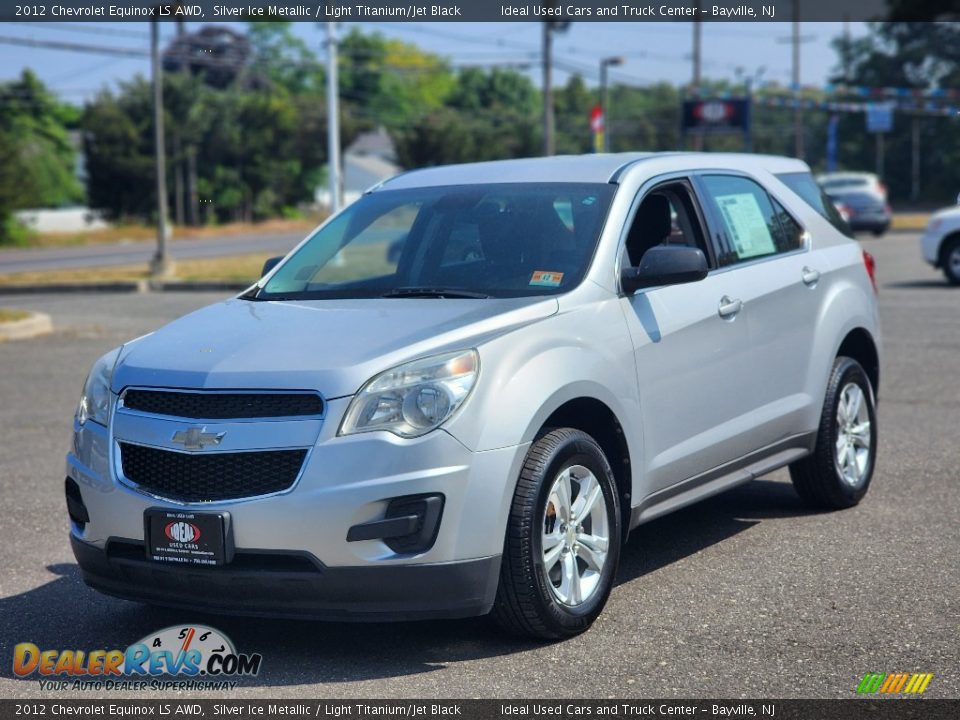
x=919 y=55
x=390 y=82
x=37 y=159
x=488 y=116
x=118 y=143
x=283 y=58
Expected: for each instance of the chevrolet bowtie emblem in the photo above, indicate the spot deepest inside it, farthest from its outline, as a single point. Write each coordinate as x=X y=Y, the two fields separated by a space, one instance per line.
x=196 y=439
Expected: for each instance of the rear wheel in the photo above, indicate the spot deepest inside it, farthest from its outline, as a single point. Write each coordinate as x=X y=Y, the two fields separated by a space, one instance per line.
x=950 y=261
x=563 y=539
x=839 y=471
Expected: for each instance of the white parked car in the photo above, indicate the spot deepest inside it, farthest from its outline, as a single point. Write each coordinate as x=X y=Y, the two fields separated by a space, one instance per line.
x=940 y=243
x=839 y=182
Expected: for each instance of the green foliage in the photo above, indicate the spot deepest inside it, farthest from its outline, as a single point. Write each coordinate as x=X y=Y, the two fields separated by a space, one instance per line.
x=389 y=81
x=118 y=143
x=922 y=55
x=284 y=58
x=36 y=155
x=12 y=233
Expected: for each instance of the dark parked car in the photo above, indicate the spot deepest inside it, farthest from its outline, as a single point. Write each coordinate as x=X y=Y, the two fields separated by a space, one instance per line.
x=864 y=210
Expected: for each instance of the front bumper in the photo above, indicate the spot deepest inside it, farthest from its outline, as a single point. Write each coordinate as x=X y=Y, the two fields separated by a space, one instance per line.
x=930 y=247
x=346 y=482
x=294 y=585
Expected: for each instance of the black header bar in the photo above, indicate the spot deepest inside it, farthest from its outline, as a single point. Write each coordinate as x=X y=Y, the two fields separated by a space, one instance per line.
x=355 y=11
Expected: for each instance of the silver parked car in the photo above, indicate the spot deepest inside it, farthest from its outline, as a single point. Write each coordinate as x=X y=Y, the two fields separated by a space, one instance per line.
x=561 y=350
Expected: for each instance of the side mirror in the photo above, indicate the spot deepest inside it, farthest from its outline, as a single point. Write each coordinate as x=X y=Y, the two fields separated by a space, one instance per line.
x=665 y=265
x=270 y=265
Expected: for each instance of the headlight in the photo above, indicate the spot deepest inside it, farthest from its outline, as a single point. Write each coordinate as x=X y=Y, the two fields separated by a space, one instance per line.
x=412 y=399
x=95 y=400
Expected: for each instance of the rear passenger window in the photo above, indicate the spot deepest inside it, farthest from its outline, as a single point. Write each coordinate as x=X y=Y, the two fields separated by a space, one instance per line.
x=753 y=224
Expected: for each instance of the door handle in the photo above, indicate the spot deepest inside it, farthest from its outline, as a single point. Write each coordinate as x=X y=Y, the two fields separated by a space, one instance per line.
x=809 y=276
x=729 y=307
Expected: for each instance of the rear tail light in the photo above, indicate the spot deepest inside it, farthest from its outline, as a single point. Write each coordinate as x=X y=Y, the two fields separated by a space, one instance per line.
x=871 y=265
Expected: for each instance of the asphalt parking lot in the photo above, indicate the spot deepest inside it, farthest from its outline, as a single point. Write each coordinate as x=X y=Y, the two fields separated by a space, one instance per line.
x=745 y=595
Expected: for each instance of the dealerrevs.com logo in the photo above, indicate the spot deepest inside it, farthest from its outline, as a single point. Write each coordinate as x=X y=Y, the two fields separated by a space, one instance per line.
x=205 y=658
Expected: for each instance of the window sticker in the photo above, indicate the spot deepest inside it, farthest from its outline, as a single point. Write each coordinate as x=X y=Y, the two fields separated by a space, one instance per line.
x=546 y=278
x=746 y=224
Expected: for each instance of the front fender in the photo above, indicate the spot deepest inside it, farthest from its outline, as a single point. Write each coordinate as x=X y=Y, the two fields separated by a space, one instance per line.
x=527 y=375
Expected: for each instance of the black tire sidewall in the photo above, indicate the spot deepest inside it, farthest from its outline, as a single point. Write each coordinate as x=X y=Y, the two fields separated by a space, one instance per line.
x=846 y=371
x=948 y=249
x=577 y=451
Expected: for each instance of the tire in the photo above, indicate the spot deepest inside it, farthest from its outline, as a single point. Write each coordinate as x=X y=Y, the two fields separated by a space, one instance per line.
x=950 y=260
x=837 y=474
x=529 y=597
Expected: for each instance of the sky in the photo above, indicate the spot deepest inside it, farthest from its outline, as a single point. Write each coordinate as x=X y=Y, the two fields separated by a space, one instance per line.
x=653 y=52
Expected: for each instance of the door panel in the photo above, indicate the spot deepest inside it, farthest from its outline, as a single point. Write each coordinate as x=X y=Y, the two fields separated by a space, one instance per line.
x=765 y=249
x=695 y=374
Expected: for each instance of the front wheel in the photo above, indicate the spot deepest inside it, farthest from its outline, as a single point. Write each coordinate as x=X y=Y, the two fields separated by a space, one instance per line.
x=563 y=539
x=839 y=471
x=951 y=261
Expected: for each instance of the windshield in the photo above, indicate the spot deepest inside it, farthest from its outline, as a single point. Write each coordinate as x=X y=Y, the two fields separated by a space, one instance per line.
x=506 y=240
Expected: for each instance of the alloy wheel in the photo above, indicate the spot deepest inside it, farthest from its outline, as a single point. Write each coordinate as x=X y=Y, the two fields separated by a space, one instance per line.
x=853 y=449
x=576 y=536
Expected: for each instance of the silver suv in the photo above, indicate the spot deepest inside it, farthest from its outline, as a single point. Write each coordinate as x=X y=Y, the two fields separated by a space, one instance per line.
x=461 y=393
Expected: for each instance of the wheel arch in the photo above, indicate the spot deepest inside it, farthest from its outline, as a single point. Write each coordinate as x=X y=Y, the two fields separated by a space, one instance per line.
x=860 y=345
x=945 y=243
x=596 y=419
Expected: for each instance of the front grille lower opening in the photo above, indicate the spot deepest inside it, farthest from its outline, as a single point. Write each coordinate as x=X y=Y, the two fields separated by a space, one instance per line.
x=210 y=477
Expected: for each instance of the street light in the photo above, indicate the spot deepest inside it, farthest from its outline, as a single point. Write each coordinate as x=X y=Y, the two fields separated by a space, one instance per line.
x=604 y=64
x=748 y=82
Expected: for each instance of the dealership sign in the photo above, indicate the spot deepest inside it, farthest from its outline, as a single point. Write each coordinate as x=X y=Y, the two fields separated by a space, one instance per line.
x=716 y=116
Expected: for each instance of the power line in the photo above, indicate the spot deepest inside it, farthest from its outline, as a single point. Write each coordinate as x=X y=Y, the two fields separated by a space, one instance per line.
x=76 y=47
x=84 y=29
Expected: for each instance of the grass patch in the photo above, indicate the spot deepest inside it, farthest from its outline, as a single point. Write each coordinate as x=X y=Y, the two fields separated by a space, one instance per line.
x=910 y=221
x=133 y=233
x=8 y=315
x=233 y=268
x=358 y=262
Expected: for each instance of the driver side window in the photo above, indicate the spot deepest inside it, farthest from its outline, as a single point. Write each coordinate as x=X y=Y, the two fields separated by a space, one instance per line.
x=665 y=216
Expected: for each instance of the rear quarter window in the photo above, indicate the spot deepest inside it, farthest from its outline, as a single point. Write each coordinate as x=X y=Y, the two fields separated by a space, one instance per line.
x=806 y=187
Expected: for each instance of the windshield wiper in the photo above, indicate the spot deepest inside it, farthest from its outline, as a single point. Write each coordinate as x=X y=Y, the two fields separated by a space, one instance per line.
x=431 y=292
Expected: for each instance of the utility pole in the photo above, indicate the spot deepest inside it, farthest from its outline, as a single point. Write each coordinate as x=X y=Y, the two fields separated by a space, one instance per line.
x=333 y=119
x=162 y=264
x=697 y=39
x=797 y=111
x=915 y=159
x=795 y=39
x=881 y=151
x=846 y=48
x=179 y=216
x=548 y=145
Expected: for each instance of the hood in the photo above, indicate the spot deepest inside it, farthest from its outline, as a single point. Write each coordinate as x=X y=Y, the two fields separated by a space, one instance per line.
x=332 y=346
